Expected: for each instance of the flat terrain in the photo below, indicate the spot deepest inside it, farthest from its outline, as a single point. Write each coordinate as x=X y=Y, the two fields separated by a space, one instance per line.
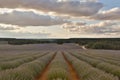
x=58 y=62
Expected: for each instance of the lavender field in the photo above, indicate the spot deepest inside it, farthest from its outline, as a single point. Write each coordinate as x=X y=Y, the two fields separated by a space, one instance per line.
x=58 y=62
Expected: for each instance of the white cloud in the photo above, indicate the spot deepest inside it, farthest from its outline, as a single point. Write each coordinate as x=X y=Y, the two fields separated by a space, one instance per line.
x=9 y=27
x=72 y=25
x=74 y=8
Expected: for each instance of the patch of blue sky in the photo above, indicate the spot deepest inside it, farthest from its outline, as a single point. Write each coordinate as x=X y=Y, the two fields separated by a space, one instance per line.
x=108 y=4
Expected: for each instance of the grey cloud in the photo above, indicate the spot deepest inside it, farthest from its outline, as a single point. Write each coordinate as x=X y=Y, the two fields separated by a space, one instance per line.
x=112 y=14
x=106 y=27
x=29 y=18
x=74 y=8
x=81 y=0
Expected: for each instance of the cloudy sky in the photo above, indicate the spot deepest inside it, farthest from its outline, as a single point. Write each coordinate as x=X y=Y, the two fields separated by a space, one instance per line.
x=59 y=18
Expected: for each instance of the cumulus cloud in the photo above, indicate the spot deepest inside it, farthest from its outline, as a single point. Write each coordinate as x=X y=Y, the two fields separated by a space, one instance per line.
x=67 y=13
x=112 y=14
x=105 y=27
x=72 y=25
x=101 y=28
x=29 y=18
x=103 y=24
x=74 y=8
x=9 y=27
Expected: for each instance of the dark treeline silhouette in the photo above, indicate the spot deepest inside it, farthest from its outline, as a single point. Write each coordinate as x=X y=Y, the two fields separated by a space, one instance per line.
x=95 y=43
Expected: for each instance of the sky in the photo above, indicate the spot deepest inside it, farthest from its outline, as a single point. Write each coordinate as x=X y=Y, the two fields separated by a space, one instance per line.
x=43 y=19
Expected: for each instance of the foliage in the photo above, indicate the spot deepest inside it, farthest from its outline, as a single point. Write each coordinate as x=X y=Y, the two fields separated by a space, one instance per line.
x=94 y=43
x=26 y=71
x=87 y=72
x=104 y=45
x=58 y=69
x=100 y=64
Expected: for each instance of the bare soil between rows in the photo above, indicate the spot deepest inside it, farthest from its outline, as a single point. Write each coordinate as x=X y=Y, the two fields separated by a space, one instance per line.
x=72 y=71
x=43 y=76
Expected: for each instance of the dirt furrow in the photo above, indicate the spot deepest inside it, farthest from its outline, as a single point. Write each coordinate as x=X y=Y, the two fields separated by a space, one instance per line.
x=43 y=76
x=72 y=71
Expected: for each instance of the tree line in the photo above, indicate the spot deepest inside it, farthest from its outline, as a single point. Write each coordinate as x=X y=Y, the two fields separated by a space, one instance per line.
x=94 y=43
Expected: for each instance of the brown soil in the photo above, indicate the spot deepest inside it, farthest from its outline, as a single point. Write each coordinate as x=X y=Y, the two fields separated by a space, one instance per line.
x=45 y=71
x=73 y=74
